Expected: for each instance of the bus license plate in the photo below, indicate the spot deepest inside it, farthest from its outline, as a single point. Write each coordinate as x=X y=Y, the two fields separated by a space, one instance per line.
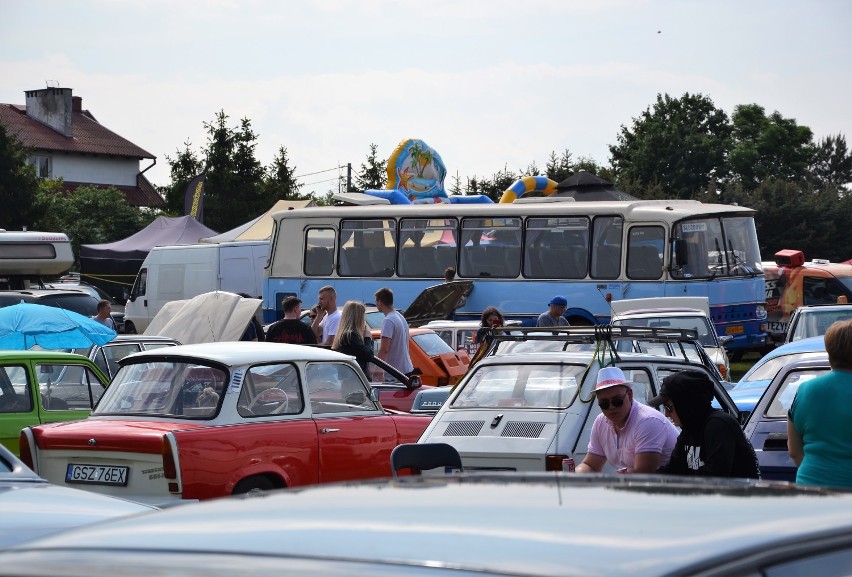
x=97 y=474
x=735 y=330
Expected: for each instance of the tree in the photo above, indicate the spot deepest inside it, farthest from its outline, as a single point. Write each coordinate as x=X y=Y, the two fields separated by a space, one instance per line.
x=373 y=175
x=679 y=145
x=280 y=181
x=831 y=166
x=18 y=185
x=768 y=147
x=184 y=167
x=559 y=168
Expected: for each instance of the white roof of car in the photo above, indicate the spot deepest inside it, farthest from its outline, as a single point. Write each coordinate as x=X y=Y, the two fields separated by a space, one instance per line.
x=246 y=352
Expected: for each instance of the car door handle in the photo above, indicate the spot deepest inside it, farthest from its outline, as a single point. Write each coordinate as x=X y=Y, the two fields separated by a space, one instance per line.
x=328 y=430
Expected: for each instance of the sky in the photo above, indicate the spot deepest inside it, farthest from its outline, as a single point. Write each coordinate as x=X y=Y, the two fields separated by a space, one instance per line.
x=489 y=84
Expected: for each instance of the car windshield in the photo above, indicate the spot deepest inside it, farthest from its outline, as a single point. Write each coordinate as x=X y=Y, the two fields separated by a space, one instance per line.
x=785 y=394
x=814 y=323
x=521 y=385
x=160 y=388
x=765 y=370
x=431 y=344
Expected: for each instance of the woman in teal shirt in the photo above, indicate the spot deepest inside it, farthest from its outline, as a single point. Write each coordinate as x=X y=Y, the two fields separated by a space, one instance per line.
x=819 y=423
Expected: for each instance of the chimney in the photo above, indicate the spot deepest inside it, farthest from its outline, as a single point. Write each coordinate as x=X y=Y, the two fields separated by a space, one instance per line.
x=53 y=107
x=76 y=104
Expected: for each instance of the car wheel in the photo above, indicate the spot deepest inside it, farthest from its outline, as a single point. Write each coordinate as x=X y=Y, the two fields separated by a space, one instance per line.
x=129 y=328
x=253 y=485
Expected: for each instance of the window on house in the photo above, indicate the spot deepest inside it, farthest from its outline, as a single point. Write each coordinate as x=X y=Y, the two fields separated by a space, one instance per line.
x=43 y=166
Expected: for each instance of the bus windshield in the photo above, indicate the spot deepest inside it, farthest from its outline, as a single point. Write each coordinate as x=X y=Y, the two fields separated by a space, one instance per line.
x=716 y=247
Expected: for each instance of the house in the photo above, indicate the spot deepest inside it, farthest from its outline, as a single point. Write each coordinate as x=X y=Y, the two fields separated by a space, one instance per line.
x=68 y=142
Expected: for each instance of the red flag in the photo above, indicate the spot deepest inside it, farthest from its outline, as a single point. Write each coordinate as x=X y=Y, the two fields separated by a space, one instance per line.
x=193 y=201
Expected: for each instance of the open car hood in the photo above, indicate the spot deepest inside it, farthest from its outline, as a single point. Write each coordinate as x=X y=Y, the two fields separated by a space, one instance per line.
x=208 y=318
x=436 y=302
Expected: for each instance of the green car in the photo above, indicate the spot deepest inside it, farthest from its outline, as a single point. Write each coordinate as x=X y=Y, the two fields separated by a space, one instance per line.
x=45 y=387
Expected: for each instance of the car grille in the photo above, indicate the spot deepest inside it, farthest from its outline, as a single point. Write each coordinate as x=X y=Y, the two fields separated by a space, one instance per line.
x=522 y=429
x=464 y=428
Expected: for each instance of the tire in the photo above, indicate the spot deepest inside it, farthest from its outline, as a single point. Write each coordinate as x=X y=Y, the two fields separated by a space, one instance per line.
x=129 y=328
x=253 y=485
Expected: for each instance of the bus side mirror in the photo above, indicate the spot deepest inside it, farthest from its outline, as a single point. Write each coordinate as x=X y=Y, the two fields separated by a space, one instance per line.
x=679 y=251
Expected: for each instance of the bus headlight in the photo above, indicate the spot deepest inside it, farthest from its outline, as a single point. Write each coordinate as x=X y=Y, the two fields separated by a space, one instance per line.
x=760 y=311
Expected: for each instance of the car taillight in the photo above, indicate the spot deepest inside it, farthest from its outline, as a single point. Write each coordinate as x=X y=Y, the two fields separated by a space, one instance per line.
x=554 y=462
x=723 y=371
x=26 y=454
x=169 y=467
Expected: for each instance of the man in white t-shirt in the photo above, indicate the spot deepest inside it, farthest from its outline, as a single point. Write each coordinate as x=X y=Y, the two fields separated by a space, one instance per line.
x=394 y=346
x=328 y=317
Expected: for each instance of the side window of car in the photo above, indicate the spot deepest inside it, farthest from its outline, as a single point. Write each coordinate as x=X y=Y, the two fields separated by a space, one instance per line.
x=663 y=372
x=271 y=390
x=641 y=379
x=337 y=388
x=15 y=390
x=114 y=353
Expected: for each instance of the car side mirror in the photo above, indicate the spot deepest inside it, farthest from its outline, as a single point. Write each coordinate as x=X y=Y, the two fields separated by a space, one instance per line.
x=725 y=339
x=414 y=382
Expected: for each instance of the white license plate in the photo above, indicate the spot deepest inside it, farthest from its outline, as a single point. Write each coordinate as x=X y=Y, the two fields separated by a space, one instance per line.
x=97 y=474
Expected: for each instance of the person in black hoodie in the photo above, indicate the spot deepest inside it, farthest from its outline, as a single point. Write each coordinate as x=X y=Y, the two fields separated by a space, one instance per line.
x=711 y=442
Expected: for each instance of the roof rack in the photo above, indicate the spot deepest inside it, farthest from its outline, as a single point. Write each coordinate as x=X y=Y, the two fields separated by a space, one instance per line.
x=596 y=333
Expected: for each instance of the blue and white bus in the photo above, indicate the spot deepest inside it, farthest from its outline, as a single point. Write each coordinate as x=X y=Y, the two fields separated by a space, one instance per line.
x=521 y=254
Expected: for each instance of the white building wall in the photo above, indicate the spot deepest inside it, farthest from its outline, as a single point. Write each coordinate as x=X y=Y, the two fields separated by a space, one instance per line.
x=118 y=171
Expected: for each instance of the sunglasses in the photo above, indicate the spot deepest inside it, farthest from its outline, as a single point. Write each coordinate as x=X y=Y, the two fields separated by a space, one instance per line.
x=616 y=402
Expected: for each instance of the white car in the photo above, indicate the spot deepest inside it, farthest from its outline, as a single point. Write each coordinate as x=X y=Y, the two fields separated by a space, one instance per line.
x=676 y=313
x=460 y=335
x=529 y=411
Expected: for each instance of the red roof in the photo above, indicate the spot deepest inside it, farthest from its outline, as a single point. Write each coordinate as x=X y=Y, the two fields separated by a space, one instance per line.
x=143 y=195
x=90 y=137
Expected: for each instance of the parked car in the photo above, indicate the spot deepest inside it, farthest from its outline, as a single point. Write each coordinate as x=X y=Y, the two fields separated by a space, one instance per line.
x=747 y=392
x=813 y=320
x=677 y=313
x=766 y=426
x=33 y=508
x=529 y=411
x=460 y=335
x=117 y=308
x=45 y=387
x=71 y=299
x=439 y=365
x=214 y=419
x=108 y=355
x=473 y=525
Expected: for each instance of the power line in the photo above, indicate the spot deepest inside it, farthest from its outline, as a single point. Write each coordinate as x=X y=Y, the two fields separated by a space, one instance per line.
x=319 y=171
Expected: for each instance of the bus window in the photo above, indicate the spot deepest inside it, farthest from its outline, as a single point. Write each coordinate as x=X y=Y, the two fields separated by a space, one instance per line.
x=426 y=247
x=319 y=252
x=645 y=252
x=557 y=248
x=491 y=247
x=367 y=248
x=606 y=249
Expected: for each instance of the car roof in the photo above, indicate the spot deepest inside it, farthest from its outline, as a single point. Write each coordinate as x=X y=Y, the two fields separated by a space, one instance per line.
x=820 y=308
x=42 y=355
x=573 y=357
x=498 y=523
x=241 y=353
x=801 y=346
x=662 y=312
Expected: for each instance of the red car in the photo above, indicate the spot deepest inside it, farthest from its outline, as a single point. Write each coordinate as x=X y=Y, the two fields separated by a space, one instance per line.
x=215 y=419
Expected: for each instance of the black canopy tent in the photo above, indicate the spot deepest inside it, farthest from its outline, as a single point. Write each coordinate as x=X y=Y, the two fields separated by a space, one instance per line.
x=586 y=186
x=113 y=266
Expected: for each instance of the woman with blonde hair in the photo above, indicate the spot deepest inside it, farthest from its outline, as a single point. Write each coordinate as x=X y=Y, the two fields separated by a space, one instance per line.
x=353 y=334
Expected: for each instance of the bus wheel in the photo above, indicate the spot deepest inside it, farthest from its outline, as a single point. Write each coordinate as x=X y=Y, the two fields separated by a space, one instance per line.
x=129 y=328
x=579 y=322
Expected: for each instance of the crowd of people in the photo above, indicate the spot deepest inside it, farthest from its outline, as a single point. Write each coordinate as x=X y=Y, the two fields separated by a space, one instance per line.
x=346 y=330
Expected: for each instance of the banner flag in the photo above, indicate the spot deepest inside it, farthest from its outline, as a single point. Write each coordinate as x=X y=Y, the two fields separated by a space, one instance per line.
x=193 y=202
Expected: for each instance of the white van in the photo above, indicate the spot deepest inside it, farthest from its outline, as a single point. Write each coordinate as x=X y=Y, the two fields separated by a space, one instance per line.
x=172 y=273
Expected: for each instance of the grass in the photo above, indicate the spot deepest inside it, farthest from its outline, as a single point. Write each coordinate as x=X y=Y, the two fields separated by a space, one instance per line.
x=740 y=368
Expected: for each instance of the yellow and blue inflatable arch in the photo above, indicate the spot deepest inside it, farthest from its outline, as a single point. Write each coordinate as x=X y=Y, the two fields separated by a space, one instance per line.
x=528 y=184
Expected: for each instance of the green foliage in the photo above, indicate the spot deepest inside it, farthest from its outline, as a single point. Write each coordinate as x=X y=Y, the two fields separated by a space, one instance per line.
x=679 y=145
x=280 y=181
x=768 y=147
x=373 y=175
x=18 y=185
x=831 y=166
x=89 y=215
x=559 y=168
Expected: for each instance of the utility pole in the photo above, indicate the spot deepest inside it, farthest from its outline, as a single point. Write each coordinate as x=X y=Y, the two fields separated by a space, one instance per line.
x=348 y=176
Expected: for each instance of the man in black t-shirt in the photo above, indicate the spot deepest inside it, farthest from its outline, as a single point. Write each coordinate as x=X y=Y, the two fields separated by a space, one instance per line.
x=711 y=442
x=291 y=329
